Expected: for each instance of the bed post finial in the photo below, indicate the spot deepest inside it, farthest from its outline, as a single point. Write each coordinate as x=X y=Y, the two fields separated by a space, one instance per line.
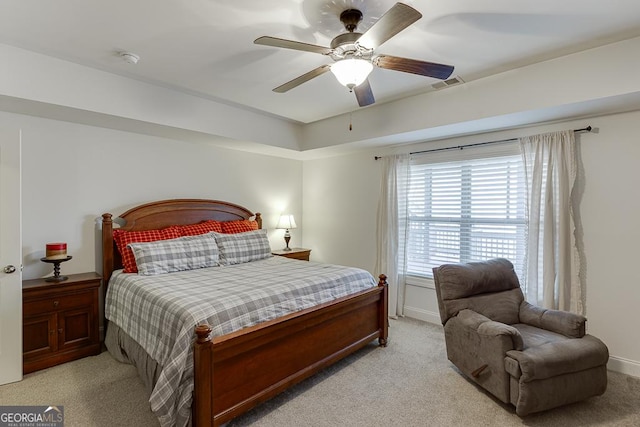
x=107 y=221
x=259 y=219
x=383 y=280
x=203 y=332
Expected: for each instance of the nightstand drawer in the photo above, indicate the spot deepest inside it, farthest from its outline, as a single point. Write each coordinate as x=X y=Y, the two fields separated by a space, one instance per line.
x=57 y=303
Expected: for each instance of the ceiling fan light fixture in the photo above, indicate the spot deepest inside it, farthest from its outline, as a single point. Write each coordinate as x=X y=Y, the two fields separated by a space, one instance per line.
x=351 y=72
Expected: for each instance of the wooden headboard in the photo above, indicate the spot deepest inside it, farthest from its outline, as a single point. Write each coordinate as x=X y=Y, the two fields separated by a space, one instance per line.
x=162 y=214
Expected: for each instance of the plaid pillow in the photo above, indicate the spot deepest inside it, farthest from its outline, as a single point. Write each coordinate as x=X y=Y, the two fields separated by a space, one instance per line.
x=199 y=228
x=123 y=238
x=243 y=247
x=240 y=226
x=168 y=256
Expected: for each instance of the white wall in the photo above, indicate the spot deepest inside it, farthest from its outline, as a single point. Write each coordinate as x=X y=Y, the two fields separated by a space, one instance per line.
x=72 y=173
x=610 y=212
x=610 y=209
x=340 y=199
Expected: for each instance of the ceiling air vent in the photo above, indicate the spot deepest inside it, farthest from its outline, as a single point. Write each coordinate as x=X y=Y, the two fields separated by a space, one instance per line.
x=455 y=80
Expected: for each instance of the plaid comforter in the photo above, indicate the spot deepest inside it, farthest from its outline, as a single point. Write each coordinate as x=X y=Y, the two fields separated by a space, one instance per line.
x=160 y=312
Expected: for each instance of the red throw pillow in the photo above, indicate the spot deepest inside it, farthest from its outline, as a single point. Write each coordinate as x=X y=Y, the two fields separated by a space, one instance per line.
x=240 y=226
x=123 y=238
x=199 y=228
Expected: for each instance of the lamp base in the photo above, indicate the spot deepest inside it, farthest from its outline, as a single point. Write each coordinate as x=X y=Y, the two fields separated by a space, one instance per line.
x=287 y=237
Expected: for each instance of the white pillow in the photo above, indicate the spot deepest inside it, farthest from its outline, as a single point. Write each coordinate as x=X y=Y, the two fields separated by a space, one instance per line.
x=168 y=256
x=243 y=247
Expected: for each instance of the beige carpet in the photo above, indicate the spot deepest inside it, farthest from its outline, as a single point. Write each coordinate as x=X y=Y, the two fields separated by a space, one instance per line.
x=409 y=383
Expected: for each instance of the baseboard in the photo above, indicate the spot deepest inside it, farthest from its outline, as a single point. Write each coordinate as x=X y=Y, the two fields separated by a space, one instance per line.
x=420 y=314
x=624 y=366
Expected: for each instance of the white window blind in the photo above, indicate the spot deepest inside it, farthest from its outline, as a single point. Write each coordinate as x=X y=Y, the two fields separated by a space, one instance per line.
x=466 y=210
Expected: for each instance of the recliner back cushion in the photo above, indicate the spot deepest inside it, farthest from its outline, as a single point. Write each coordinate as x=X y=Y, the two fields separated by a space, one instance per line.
x=499 y=306
x=455 y=283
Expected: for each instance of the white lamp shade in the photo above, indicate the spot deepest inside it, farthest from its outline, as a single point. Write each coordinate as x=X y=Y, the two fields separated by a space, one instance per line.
x=351 y=72
x=286 y=222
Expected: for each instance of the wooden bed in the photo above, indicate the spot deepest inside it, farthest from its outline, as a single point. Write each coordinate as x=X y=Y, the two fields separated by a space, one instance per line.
x=275 y=354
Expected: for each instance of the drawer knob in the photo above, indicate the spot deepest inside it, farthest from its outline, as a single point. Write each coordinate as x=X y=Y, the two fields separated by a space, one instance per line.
x=60 y=330
x=55 y=303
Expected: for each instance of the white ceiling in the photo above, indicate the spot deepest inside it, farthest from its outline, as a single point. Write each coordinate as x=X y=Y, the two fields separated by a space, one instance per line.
x=205 y=47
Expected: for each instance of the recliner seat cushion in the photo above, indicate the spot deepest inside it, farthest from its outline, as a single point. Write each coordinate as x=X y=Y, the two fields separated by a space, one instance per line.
x=531 y=337
x=535 y=337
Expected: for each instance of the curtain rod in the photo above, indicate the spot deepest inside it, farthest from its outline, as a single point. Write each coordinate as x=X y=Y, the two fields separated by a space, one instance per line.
x=460 y=147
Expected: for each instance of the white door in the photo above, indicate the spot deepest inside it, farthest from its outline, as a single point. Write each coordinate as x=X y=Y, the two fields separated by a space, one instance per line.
x=10 y=257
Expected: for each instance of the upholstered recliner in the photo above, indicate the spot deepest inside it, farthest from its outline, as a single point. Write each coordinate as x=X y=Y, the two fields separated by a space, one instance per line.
x=532 y=358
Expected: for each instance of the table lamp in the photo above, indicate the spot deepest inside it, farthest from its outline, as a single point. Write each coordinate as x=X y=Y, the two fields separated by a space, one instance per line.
x=286 y=222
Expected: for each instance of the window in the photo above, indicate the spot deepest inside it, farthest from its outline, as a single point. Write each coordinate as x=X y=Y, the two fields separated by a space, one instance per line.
x=468 y=209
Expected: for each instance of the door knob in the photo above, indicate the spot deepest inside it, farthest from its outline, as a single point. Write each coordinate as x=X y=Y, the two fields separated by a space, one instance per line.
x=9 y=269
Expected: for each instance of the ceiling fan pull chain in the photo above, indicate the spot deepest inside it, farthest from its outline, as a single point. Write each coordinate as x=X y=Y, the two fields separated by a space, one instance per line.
x=350 y=122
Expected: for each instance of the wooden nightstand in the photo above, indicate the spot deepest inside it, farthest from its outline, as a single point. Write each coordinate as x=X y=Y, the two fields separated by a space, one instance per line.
x=59 y=320
x=294 y=253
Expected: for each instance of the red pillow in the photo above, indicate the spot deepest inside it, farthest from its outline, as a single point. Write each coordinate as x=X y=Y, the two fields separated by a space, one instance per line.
x=123 y=238
x=240 y=226
x=199 y=228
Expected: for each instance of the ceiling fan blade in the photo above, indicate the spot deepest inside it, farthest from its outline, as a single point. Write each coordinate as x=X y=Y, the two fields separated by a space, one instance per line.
x=364 y=95
x=406 y=65
x=302 y=79
x=396 y=19
x=290 y=44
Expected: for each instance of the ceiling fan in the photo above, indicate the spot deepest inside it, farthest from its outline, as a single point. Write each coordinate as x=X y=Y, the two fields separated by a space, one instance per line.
x=354 y=55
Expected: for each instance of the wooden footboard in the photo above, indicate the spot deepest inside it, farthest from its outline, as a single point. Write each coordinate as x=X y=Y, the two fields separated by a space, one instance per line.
x=236 y=372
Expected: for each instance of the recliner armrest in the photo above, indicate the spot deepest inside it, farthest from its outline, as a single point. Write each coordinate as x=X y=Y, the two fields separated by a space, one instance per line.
x=560 y=357
x=487 y=327
x=562 y=322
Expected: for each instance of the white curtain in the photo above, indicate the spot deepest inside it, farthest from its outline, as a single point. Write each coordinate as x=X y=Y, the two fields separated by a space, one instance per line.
x=552 y=268
x=391 y=228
